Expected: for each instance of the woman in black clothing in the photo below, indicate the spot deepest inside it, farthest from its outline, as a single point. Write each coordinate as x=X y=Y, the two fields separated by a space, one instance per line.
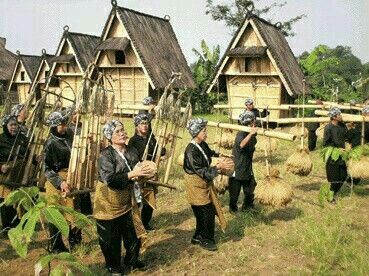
x=243 y=151
x=199 y=176
x=335 y=135
x=13 y=145
x=56 y=162
x=114 y=200
x=139 y=141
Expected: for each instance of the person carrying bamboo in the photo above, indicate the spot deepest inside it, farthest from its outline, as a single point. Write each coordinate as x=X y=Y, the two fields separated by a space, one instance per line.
x=335 y=135
x=13 y=146
x=199 y=185
x=140 y=141
x=249 y=103
x=243 y=151
x=115 y=205
x=19 y=111
x=56 y=162
x=148 y=101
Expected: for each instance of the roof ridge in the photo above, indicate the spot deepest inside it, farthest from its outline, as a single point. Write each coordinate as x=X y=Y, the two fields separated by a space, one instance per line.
x=264 y=21
x=76 y=33
x=22 y=55
x=144 y=14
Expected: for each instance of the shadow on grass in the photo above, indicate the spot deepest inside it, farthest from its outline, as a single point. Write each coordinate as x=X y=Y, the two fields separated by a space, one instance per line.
x=311 y=186
x=168 y=219
x=8 y=253
x=361 y=191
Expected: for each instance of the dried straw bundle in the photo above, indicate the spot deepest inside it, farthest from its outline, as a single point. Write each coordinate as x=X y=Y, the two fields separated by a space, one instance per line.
x=359 y=168
x=273 y=190
x=227 y=139
x=152 y=169
x=296 y=130
x=221 y=183
x=320 y=131
x=264 y=143
x=299 y=163
x=227 y=163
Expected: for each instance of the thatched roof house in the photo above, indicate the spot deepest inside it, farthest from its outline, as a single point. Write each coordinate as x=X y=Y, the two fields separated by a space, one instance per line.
x=7 y=63
x=23 y=75
x=259 y=63
x=142 y=52
x=74 y=53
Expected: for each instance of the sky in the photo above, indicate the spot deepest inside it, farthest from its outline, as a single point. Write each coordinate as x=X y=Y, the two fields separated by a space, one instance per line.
x=31 y=25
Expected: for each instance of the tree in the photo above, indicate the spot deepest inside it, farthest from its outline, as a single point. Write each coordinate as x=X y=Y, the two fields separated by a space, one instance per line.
x=332 y=69
x=233 y=14
x=203 y=70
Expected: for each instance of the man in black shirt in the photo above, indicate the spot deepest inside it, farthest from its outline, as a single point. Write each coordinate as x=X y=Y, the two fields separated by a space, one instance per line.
x=335 y=135
x=312 y=127
x=249 y=103
x=243 y=151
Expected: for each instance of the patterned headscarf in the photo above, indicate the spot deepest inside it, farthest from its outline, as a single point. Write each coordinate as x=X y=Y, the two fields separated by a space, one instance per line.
x=148 y=100
x=249 y=101
x=142 y=117
x=56 y=119
x=195 y=125
x=16 y=109
x=109 y=128
x=366 y=110
x=334 y=111
x=246 y=117
x=7 y=118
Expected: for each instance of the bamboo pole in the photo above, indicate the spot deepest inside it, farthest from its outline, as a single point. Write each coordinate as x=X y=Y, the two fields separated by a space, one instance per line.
x=283 y=121
x=345 y=117
x=343 y=106
x=268 y=133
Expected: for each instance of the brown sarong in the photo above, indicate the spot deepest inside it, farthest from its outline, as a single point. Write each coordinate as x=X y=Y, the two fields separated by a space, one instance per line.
x=149 y=195
x=110 y=204
x=201 y=192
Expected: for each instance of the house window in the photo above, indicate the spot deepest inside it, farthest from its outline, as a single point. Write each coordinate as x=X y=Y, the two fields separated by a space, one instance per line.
x=46 y=73
x=120 y=57
x=247 y=64
x=68 y=67
x=22 y=76
x=54 y=82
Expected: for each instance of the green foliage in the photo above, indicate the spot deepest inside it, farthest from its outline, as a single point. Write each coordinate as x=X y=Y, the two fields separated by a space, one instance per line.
x=330 y=68
x=325 y=193
x=233 y=14
x=334 y=153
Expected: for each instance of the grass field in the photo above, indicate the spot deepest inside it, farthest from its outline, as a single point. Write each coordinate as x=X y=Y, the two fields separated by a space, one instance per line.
x=303 y=238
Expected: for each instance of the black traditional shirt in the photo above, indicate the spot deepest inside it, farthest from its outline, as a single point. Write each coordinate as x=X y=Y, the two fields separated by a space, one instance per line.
x=9 y=142
x=335 y=135
x=196 y=163
x=57 y=155
x=243 y=156
x=140 y=142
x=113 y=170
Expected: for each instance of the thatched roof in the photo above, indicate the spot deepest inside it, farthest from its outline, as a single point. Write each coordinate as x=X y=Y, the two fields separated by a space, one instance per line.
x=253 y=51
x=84 y=46
x=63 y=58
x=157 y=46
x=114 y=43
x=7 y=61
x=31 y=64
x=280 y=50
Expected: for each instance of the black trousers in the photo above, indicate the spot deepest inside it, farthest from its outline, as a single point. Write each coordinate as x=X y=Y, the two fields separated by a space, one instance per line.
x=205 y=221
x=9 y=218
x=82 y=204
x=146 y=214
x=111 y=233
x=336 y=174
x=248 y=187
x=312 y=138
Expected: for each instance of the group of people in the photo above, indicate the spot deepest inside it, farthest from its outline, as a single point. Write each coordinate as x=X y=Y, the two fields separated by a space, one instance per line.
x=122 y=208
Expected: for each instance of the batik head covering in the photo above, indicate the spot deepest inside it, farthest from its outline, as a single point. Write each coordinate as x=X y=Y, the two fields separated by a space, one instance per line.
x=148 y=100
x=249 y=101
x=7 y=118
x=246 y=117
x=56 y=118
x=16 y=109
x=195 y=125
x=366 y=110
x=334 y=111
x=69 y=111
x=141 y=118
x=109 y=128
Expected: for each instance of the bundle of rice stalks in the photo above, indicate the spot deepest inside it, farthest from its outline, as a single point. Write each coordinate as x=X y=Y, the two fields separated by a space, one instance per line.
x=227 y=139
x=299 y=163
x=273 y=190
x=180 y=159
x=320 y=131
x=152 y=170
x=227 y=164
x=359 y=168
x=221 y=183
x=264 y=143
x=296 y=130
